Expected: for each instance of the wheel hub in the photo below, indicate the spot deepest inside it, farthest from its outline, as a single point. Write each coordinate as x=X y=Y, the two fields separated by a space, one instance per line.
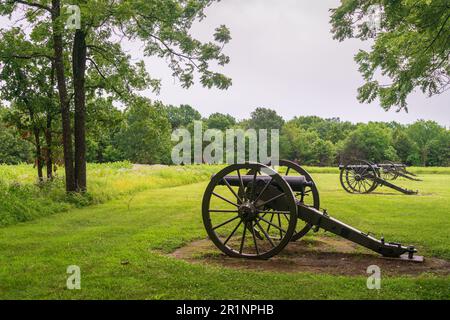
x=248 y=212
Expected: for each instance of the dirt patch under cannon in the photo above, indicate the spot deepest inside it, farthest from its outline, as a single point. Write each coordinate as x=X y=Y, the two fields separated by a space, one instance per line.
x=317 y=255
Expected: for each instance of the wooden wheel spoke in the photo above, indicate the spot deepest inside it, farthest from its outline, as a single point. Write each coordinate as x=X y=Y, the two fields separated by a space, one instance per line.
x=271 y=200
x=243 y=239
x=232 y=191
x=232 y=233
x=252 y=194
x=265 y=234
x=241 y=184
x=225 y=223
x=271 y=219
x=264 y=190
x=254 y=239
x=224 y=199
x=279 y=223
x=272 y=224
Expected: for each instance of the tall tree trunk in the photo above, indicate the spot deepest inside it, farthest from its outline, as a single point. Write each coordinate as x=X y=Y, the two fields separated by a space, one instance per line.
x=79 y=71
x=39 y=162
x=37 y=141
x=48 y=143
x=63 y=96
x=48 y=131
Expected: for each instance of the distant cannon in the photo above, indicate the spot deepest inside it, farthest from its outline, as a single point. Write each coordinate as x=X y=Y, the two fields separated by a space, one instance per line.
x=361 y=176
x=253 y=211
x=391 y=171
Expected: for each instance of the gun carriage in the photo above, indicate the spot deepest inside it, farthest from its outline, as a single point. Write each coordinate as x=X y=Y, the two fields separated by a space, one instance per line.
x=392 y=171
x=362 y=176
x=252 y=211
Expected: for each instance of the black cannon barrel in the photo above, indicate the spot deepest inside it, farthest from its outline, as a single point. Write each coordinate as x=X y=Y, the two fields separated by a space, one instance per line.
x=358 y=166
x=297 y=183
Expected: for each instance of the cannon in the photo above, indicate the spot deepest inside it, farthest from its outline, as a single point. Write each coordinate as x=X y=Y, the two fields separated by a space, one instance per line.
x=392 y=171
x=254 y=211
x=362 y=176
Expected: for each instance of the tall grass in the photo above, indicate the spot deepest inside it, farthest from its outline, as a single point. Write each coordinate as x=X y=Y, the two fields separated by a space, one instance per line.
x=22 y=199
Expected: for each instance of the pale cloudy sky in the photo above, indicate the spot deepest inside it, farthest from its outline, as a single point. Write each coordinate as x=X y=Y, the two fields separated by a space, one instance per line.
x=283 y=57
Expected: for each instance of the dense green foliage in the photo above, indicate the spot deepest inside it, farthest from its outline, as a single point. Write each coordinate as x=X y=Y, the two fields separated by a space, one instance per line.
x=411 y=46
x=145 y=135
x=316 y=141
x=141 y=134
x=13 y=149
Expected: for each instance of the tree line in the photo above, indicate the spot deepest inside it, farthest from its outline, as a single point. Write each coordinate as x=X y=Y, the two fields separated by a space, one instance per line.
x=141 y=133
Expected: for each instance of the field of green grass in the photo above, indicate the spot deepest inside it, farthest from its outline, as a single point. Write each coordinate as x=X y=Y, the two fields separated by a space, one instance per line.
x=21 y=199
x=120 y=233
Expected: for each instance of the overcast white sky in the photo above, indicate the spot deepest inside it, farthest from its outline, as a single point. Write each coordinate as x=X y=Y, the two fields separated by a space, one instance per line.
x=283 y=57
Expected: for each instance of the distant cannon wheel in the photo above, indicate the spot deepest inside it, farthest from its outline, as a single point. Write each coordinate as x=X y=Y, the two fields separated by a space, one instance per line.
x=254 y=220
x=357 y=177
x=389 y=171
x=309 y=196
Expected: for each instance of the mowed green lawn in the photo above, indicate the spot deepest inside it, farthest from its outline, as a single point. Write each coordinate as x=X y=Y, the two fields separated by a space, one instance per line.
x=34 y=256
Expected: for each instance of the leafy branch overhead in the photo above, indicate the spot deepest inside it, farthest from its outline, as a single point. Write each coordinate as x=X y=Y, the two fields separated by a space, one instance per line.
x=411 y=48
x=163 y=27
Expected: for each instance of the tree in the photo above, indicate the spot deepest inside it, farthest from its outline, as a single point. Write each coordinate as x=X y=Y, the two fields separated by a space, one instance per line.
x=100 y=65
x=439 y=154
x=13 y=149
x=426 y=134
x=220 y=121
x=405 y=147
x=145 y=136
x=28 y=84
x=103 y=125
x=163 y=27
x=332 y=129
x=295 y=143
x=369 y=141
x=323 y=152
x=263 y=118
x=411 y=46
x=182 y=116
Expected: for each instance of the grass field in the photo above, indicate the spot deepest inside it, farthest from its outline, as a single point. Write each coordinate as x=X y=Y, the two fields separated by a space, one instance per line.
x=135 y=216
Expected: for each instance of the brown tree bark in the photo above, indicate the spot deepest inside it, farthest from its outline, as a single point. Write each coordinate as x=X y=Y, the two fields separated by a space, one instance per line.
x=48 y=143
x=37 y=141
x=63 y=96
x=48 y=130
x=79 y=57
x=39 y=162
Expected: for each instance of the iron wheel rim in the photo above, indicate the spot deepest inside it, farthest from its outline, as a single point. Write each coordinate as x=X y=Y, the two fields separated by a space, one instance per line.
x=237 y=247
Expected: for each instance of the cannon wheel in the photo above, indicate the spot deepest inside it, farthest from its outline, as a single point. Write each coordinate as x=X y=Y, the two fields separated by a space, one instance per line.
x=355 y=177
x=235 y=219
x=310 y=196
x=390 y=174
